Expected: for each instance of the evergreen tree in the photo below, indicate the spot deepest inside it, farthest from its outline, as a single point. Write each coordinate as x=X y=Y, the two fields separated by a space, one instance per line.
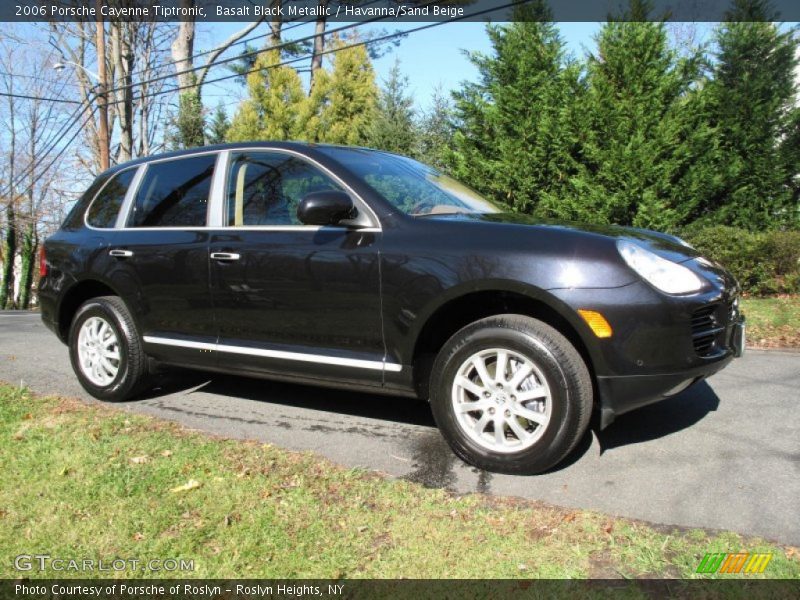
x=435 y=132
x=272 y=112
x=218 y=128
x=753 y=109
x=189 y=124
x=342 y=103
x=511 y=140
x=636 y=146
x=393 y=128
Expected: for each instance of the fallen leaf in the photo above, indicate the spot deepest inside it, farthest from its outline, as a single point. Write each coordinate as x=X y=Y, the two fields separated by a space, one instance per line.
x=362 y=528
x=522 y=567
x=166 y=453
x=568 y=518
x=609 y=527
x=140 y=460
x=65 y=471
x=27 y=416
x=791 y=551
x=138 y=536
x=192 y=484
x=20 y=434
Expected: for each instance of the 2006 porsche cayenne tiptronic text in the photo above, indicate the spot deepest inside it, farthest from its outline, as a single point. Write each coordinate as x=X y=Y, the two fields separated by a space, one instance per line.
x=360 y=269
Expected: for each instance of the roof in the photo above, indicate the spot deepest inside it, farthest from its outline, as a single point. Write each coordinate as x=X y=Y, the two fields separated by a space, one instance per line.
x=300 y=146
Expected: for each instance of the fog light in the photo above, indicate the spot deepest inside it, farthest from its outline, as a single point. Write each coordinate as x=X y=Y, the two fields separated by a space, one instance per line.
x=596 y=322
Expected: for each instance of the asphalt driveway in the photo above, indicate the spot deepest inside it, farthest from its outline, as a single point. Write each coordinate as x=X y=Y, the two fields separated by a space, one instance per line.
x=725 y=454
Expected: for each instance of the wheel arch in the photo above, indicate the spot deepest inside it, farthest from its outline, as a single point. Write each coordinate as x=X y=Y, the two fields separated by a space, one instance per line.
x=464 y=308
x=74 y=297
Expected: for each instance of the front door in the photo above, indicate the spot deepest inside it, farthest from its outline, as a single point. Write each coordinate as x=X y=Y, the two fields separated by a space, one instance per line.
x=301 y=302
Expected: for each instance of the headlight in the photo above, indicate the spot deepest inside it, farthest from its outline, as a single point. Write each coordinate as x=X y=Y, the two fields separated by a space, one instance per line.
x=667 y=276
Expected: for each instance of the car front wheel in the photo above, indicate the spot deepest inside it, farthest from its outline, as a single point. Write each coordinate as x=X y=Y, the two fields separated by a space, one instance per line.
x=106 y=350
x=511 y=394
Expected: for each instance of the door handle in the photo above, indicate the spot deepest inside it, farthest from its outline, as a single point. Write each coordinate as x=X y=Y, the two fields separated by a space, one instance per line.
x=223 y=256
x=117 y=253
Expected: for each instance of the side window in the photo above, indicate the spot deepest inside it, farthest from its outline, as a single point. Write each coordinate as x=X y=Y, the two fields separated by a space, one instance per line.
x=105 y=207
x=174 y=193
x=264 y=188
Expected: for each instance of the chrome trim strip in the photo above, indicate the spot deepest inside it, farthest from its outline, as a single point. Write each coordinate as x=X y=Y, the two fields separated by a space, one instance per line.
x=215 y=217
x=309 y=228
x=298 y=356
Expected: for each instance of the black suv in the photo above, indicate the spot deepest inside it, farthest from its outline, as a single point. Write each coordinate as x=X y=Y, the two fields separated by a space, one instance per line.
x=355 y=268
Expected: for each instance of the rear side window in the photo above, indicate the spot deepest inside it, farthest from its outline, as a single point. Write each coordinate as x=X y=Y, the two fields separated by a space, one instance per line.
x=105 y=208
x=174 y=193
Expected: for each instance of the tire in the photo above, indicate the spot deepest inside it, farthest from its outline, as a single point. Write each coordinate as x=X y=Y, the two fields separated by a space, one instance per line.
x=123 y=372
x=553 y=388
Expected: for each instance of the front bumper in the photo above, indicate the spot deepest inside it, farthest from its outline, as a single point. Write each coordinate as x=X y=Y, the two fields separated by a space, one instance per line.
x=621 y=394
x=661 y=345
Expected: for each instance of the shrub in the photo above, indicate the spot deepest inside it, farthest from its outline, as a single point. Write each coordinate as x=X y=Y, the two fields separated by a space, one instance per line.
x=763 y=262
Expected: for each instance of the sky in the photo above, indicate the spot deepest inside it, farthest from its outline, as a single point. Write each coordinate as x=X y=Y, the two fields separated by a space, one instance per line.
x=429 y=59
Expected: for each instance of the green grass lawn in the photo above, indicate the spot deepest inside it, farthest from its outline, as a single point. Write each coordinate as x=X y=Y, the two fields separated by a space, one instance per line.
x=99 y=483
x=773 y=322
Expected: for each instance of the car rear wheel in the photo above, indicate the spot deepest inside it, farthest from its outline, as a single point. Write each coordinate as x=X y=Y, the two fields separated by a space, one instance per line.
x=106 y=350
x=511 y=394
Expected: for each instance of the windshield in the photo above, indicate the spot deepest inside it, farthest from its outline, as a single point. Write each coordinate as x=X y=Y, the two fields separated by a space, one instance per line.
x=410 y=186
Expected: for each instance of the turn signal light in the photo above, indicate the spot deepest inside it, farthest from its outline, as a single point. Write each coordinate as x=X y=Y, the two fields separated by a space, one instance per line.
x=596 y=322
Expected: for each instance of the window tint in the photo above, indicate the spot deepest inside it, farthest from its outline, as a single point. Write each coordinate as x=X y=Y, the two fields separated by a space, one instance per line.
x=264 y=188
x=105 y=208
x=411 y=186
x=174 y=193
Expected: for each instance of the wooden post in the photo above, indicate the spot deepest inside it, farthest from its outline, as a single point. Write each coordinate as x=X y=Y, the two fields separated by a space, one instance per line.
x=102 y=94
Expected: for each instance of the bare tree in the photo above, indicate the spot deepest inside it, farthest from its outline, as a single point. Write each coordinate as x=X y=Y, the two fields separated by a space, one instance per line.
x=28 y=128
x=136 y=59
x=190 y=121
x=9 y=248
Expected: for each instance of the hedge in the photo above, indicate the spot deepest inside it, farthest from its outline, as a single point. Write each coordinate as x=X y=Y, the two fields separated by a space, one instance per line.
x=765 y=263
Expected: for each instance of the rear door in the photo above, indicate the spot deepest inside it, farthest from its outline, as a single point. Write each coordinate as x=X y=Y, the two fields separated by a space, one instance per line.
x=161 y=258
x=292 y=300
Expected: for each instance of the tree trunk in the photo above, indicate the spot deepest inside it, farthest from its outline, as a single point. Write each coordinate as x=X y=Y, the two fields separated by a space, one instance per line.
x=183 y=49
x=28 y=255
x=10 y=238
x=9 y=253
x=319 y=41
x=275 y=26
x=123 y=60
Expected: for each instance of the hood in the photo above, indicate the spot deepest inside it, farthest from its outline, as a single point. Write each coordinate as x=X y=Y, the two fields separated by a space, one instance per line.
x=663 y=244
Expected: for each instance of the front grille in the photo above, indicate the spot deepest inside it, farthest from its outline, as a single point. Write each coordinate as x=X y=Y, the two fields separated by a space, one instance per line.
x=705 y=330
